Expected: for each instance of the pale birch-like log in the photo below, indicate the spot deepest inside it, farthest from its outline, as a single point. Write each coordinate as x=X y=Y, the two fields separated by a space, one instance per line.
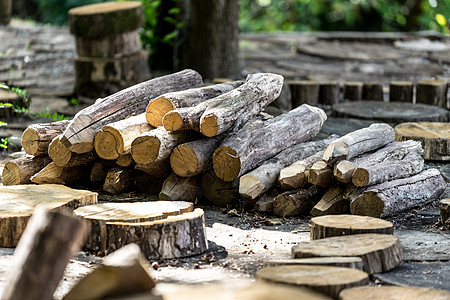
x=20 y=170
x=358 y=142
x=392 y=197
x=235 y=108
x=119 y=180
x=115 y=139
x=320 y=174
x=176 y=188
x=247 y=148
x=161 y=105
x=79 y=135
x=332 y=203
x=63 y=157
x=297 y=202
x=264 y=177
x=37 y=137
x=52 y=174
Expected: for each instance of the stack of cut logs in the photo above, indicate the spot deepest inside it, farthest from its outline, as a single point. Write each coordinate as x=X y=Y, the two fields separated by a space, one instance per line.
x=172 y=136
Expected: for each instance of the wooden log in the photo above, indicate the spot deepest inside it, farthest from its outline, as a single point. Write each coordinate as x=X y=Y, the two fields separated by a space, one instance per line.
x=338 y=225
x=260 y=180
x=320 y=174
x=19 y=202
x=388 y=170
x=393 y=293
x=329 y=92
x=245 y=149
x=177 y=188
x=332 y=203
x=125 y=160
x=401 y=91
x=20 y=170
x=265 y=204
x=79 y=135
x=379 y=252
x=344 y=169
x=48 y=243
x=392 y=197
x=115 y=139
x=434 y=136
x=194 y=158
x=298 y=202
x=358 y=142
x=353 y=90
x=304 y=92
x=99 y=171
x=220 y=193
x=52 y=174
x=157 y=169
x=119 y=180
x=165 y=103
x=372 y=91
x=235 y=108
x=338 y=261
x=146 y=183
x=124 y=272
x=63 y=157
x=157 y=144
x=444 y=207
x=337 y=278
x=37 y=137
x=433 y=92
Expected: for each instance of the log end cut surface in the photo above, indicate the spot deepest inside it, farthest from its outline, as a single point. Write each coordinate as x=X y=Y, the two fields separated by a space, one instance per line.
x=184 y=161
x=226 y=163
x=368 y=204
x=145 y=149
x=11 y=174
x=156 y=110
x=30 y=141
x=209 y=125
x=393 y=293
x=108 y=144
x=172 y=121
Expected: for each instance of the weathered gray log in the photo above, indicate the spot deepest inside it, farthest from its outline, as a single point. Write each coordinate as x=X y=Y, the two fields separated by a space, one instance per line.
x=119 y=180
x=20 y=170
x=358 y=142
x=37 y=137
x=298 y=202
x=395 y=196
x=79 y=135
x=194 y=158
x=177 y=188
x=433 y=92
x=329 y=92
x=321 y=174
x=401 y=91
x=444 y=207
x=393 y=293
x=336 y=261
x=219 y=192
x=343 y=170
x=372 y=91
x=161 y=105
x=63 y=157
x=235 y=108
x=46 y=246
x=115 y=139
x=304 y=92
x=353 y=90
x=52 y=174
x=332 y=203
x=388 y=170
x=258 y=181
x=247 y=148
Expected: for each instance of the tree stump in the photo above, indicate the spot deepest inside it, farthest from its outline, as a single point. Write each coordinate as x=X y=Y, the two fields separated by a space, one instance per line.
x=445 y=212
x=304 y=92
x=19 y=202
x=10 y=98
x=401 y=91
x=372 y=91
x=432 y=92
x=338 y=261
x=434 y=136
x=379 y=252
x=329 y=92
x=353 y=90
x=5 y=12
x=393 y=293
x=323 y=279
x=338 y=225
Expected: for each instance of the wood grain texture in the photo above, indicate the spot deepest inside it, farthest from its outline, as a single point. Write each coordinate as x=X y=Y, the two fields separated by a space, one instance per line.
x=37 y=137
x=393 y=293
x=20 y=170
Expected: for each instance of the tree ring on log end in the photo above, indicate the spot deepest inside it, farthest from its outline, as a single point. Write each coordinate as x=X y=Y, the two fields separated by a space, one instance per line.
x=209 y=125
x=367 y=204
x=11 y=174
x=59 y=153
x=184 y=161
x=145 y=149
x=30 y=141
x=172 y=121
x=156 y=110
x=106 y=144
x=226 y=163
x=360 y=177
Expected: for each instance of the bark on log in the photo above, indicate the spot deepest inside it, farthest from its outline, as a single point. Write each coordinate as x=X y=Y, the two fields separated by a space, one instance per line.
x=304 y=92
x=320 y=174
x=37 y=137
x=388 y=170
x=393 y=293
x=48 y=243
x=372 y=91
x=337 y=279
x=115 y=139
x=146 y=183
x=332 y=203
x=353 y=90
x=338 y=225
x=379 y=252
x=265 y=204
x=235 y=108
x=52 y=174
x=119 y=180
x=157 y=169
x=20 y=170
x=433 y=92
x=219 y=192
x=245 y=149
x=264 y=177
x=445 y=212
x=434 y=136
x=19 y=202
x=194 y=158
x=329 y=92
x=63 y=157
x=79 y=135
x=165 y=103
x=298 y=202
x=177 y=188
x=358 y=142
x=157 y=144
x=338 y=261
x=392 y=197
x=124 y=272
x=401 y=91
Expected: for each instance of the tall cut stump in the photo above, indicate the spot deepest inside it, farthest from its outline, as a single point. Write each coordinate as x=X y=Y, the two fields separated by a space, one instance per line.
x=393 y=293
